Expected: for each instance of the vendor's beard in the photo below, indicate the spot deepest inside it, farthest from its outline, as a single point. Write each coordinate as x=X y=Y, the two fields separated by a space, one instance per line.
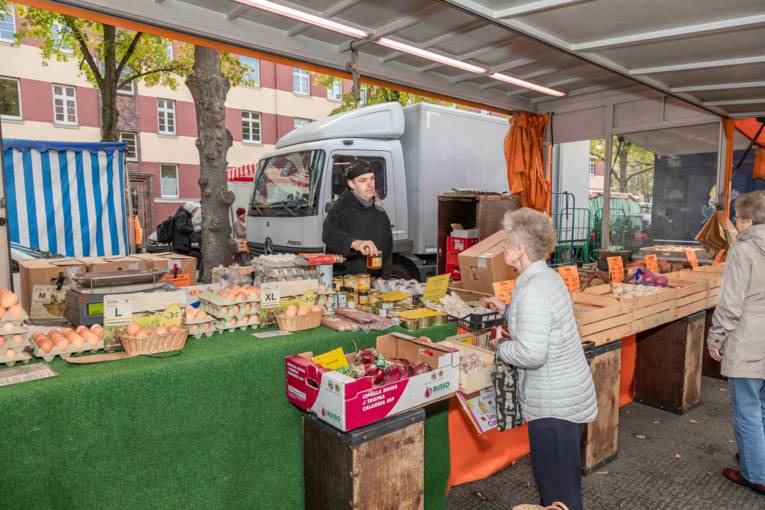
x=366 y=202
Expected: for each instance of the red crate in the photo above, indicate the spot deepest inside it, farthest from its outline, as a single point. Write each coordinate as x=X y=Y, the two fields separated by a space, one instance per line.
x=455 y=245
x=452 y=259
x=454 y=270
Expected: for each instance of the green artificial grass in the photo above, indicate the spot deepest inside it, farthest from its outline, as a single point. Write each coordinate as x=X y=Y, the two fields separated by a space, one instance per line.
x=209 y=428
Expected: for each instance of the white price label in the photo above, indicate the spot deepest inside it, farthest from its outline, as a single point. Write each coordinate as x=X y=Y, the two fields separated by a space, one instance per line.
x=270 y=295
x=117 y=310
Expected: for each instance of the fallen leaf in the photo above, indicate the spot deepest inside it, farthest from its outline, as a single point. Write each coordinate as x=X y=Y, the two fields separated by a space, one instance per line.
x=694 y=422
x=655 y=422
x=601 y=473
x=640 y=436
x=480 y=496
x=678 y=456
x=731 y=441
x=709 y=473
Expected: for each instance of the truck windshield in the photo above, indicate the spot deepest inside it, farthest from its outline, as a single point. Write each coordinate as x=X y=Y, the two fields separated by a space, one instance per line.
x=287 y=184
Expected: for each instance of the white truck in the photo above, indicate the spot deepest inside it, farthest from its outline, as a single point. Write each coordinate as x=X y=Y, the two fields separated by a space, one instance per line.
x=417 y=152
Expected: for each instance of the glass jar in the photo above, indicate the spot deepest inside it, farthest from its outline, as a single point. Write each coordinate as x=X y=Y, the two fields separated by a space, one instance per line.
x=350 y=281
x=374 y=262
x=363 y=282
x=350 y=300
x=363 y=298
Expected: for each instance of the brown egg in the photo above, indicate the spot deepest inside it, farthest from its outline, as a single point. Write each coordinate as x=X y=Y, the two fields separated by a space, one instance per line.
x=202 y=315
x=191 y=314
x=95 y=327
x=160 y=330
x=100 y=334
x=224 y=310
x=236 y=309
x=244 y=320
x=234 y=322
x=45 y=345
x=207 y=326
x=194 y=330
x=62 y=344
x=17 y=338
x=133 y=329
x=14 y=312
x=77 y=342
x=291 y=311
x=2 y=341
x=91 y=338
x=8 y=299
x=248 y=308
x=68 y=331
x=10 y=354
x=140 y=334
x=81 y=329
x=317 y=309
x=173 y=329
x=303 y=311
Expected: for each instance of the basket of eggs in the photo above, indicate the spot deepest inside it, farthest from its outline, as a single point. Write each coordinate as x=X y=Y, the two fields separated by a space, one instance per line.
x=136 y=341
x=298 y=318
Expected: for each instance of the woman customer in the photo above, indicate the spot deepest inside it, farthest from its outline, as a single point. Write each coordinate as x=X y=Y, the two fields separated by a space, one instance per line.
x=737 y=338
x=557 y=394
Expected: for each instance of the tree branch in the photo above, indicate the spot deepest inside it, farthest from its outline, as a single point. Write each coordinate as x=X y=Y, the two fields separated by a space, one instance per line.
x=86 y=53
x=640 y=172
x=140 y=75
x=128 y=52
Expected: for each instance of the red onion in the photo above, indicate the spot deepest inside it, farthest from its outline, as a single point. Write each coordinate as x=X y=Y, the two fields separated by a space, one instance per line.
x=394 y=374
x=367 y=356
x=421 y=368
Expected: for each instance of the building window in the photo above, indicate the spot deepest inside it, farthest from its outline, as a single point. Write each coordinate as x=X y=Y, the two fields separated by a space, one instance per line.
x=335 y=91
x=10 y=98
x=65 y=105
x=59 y=32
x=169 y=180
x=170 y=51
x=131 y=151
x=8 y=25
x=252 y=73
x=363 y=96
x=298 y=123
x=251 y=127
x=301 y=81
x=127 y=89
x=166 y=116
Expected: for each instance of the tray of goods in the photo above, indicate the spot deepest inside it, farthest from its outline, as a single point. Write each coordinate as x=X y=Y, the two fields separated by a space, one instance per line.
x=232 y=295
x=476 y=364
x=692 y=293
x=14 y=344
x=10 y=309
x=231 y=310
x=473 y=318
x=66 y=342
x=199 y=322
x=298 y=318
x=242 y=323
x=10 y=356
x=136 y=340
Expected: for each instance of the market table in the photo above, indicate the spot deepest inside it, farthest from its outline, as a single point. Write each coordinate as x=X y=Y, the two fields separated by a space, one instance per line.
x=208 y=428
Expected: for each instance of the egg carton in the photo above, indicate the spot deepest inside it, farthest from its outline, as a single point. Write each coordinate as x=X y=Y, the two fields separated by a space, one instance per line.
x=8 y=339
x=20 y=357
x=216 y=311
x=18 y=345
x=221 y=301
x=17 y=321
x=225 y=325
x=56 y=351
x=199 y=333
x=13 y=329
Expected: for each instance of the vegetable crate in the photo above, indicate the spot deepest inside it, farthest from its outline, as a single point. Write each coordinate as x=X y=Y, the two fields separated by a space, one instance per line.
x=347 y=403
x=648 y=311
x=602 y=319
x=692 y=293
x=476 y=381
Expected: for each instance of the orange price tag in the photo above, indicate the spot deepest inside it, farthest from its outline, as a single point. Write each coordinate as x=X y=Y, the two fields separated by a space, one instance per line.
x=182 y=280
x=570 y=275
x=718 y=258
x=652 y=263
x=690 y=254
x=616 y=269
x=504 y=289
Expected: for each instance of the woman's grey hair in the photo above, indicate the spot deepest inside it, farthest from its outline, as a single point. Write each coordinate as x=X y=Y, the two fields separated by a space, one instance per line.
x=531 y=230
x=751 y=206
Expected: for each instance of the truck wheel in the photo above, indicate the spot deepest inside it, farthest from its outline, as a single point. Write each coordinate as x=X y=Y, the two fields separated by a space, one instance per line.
x=404 y=271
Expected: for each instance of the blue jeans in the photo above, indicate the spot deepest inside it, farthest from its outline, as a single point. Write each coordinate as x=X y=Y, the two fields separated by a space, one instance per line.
x=748 y=397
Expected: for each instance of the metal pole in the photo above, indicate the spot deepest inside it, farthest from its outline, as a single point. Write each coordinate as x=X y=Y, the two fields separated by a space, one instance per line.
x=6 y=274
x=605 y=237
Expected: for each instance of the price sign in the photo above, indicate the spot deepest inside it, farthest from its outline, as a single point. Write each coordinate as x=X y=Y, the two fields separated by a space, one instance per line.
x=436 y=288
x=718 y=258
x=118 y=309
x=570 y=275
x=504 y=290
x=172 y=316
x=270 y=295
x=690 y=254
x=332 y=360
x=652 y=263
x=616 y=269
x=182 y=280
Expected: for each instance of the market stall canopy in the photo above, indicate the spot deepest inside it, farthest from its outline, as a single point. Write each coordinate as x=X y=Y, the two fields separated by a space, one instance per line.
x=706 y=52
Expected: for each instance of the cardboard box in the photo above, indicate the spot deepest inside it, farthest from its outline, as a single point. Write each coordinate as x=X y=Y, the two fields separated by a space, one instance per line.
x=167 y=260
x=42 y=276
x=484 y=263
x=113 y=263
x=347 y=403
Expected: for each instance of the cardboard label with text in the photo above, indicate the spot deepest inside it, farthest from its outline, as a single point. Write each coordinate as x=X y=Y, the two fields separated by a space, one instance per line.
x=616 y=269
x=652 y=263
x=570 y=275
x=436 y=288
x=690 y=254
x=504 y=290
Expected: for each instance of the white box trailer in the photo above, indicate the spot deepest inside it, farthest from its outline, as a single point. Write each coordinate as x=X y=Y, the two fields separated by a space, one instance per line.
x=417 y=152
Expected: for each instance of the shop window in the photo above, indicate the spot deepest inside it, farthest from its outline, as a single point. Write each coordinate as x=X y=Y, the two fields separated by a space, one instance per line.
x=251 y=127
x=169 y=180
x=10 y=98
x=340 y=163
x=335 y=91
x=298 y=123
x=65 y=105
x=166 y=116
x=60 y=33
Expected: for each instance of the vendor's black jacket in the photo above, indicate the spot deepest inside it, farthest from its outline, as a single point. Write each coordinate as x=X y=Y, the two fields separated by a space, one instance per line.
x=347 y=221
x=183 y=228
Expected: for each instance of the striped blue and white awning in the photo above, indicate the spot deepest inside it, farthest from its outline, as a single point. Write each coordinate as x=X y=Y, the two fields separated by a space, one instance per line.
x=66 y=198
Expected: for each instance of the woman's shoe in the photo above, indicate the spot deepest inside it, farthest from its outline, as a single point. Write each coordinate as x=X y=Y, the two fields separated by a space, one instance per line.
x=735 y=476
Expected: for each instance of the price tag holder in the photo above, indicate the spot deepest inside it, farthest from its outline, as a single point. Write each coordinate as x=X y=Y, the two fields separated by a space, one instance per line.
x=616 y=269
x=332 y=360
x=504 y=290
x=718 y=258
x=570 y=275
x=652 y=263
x=118 y=310
x=436 y=288
x=270 y=295
x=690 y=254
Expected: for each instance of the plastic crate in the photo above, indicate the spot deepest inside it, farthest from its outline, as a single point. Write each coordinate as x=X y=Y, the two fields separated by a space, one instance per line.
x=454 y=271
x=455 y=245
x=480 y=321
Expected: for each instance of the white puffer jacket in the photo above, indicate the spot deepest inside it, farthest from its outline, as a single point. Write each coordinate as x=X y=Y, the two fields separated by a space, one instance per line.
x=555 y=378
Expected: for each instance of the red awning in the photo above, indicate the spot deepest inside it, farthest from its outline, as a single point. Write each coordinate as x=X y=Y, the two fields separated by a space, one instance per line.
x=244 y=173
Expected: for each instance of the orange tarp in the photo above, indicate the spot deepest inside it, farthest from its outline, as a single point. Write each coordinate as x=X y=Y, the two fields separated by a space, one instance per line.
x=474 y=456
x=525 y=162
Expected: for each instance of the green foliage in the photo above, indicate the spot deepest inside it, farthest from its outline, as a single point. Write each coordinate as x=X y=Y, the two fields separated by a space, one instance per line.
x=373 y=94
x=632 y=166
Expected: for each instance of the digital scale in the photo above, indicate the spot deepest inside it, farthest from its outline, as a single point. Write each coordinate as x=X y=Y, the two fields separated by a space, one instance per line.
x=85 y=300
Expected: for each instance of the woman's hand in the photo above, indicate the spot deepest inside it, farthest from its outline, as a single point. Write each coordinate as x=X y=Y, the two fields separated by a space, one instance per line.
x=715 y=353
x=495 y=303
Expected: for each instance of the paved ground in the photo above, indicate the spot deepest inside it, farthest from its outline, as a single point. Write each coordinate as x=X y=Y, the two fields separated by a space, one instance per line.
x=676 y=466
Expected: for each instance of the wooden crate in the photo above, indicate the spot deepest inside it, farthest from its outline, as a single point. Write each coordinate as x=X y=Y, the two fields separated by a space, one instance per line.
x=471 y=383
x=601 y=319
x=359 y=469
x=668 y=367
x=691 y=293
x=647 y=311
x=600 y=441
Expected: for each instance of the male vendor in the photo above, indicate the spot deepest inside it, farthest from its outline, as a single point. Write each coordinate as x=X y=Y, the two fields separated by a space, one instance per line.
x=357 y=226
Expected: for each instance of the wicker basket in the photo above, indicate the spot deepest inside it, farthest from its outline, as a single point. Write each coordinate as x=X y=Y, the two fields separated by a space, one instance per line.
x=309 y=321
x=154 y=344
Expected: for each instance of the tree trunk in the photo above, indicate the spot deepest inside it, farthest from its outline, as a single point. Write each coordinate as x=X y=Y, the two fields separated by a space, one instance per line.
x=209 y=87
x=108 y=90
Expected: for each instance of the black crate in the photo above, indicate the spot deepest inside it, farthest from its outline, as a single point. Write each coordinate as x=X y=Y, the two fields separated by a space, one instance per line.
x=479 y=321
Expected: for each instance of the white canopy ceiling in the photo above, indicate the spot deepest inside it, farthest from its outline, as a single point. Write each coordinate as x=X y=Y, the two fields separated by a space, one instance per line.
x=704 y=51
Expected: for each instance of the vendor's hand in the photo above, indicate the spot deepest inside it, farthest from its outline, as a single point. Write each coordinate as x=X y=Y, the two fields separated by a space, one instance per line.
x=495 y=303
x=365 y=248
x=715 y=353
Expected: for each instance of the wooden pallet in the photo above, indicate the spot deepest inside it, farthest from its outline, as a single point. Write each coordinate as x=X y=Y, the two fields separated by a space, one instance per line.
x=601 y=319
